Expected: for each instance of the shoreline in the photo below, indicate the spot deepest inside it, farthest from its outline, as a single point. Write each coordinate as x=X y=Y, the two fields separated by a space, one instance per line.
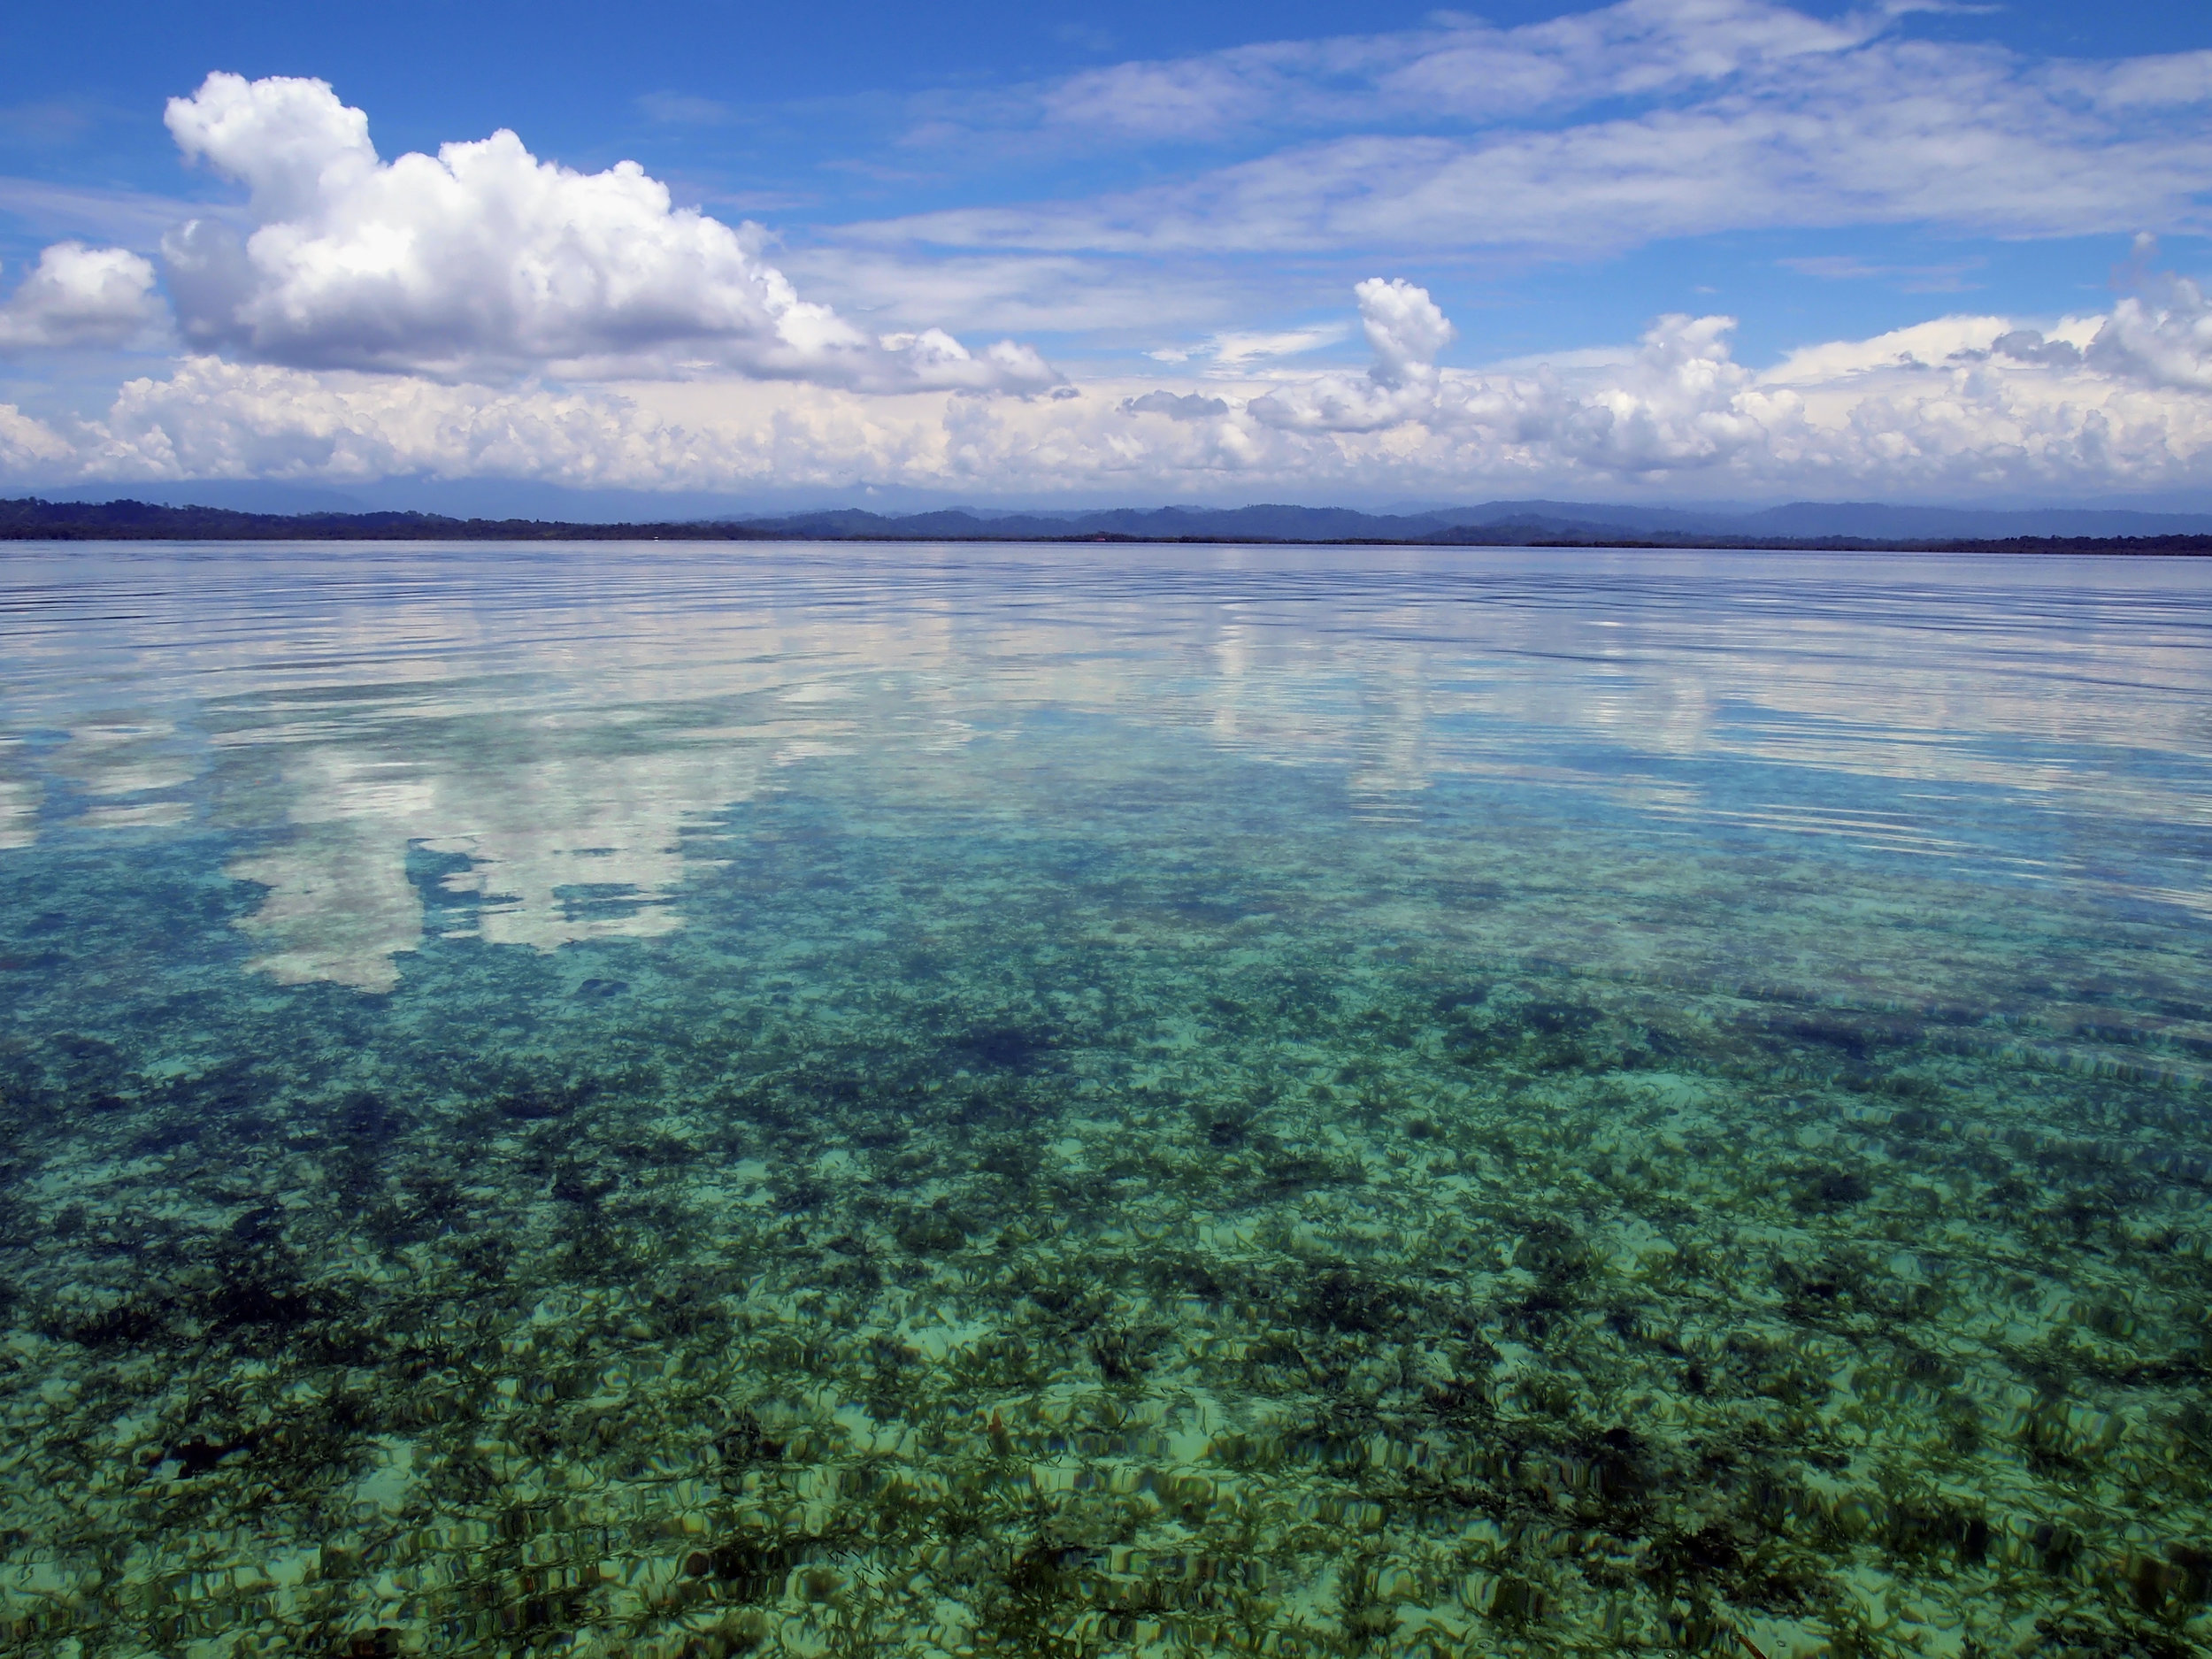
x=34 y=520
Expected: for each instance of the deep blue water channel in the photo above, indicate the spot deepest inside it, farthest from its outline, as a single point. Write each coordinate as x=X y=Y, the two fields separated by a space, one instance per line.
x=690 y=1100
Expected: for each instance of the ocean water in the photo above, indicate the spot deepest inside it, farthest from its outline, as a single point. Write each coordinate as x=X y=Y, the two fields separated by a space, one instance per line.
x=695 y=1099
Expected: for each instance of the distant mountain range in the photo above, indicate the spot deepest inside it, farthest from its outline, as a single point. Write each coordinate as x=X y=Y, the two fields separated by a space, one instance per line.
x=1800 y=525
x=1514 y=521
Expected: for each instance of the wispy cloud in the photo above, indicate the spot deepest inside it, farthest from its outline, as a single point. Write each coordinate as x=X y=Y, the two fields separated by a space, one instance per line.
x=46 y=123
x=1235 y=350
x=132 y=216
x=1021 y=292
x=683 y=109
x=1910 y=279
x=1089 y=36
x=1596 y=133
x=1460 y=72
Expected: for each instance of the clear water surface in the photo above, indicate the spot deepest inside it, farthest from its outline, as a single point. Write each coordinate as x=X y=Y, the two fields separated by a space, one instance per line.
x=692 y=1100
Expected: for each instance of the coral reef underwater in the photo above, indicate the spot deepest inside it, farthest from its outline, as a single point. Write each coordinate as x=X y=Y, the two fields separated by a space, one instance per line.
x=1090 y=1188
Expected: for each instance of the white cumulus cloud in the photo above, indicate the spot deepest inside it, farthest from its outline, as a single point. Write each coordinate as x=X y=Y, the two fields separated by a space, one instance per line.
x=1677 y=404
x=29 y=447
x=1405 y=330
x=77 y=295
x=485 y=260
x=2164 y=338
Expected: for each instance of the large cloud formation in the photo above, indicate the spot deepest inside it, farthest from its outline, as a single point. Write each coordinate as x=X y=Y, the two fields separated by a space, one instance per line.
x=485 y=261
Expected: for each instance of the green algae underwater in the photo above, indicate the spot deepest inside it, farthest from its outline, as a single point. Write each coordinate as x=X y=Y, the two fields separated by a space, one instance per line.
x=699 y=1101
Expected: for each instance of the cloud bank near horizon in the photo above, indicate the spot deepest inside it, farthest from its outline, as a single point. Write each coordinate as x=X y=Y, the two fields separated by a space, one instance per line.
x=1960 y=406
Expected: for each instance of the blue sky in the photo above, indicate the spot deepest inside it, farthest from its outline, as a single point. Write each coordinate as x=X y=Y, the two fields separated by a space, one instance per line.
x=1688 y=249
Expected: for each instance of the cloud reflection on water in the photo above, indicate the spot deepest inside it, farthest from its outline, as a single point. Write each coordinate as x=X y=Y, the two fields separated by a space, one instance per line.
x=542 y=729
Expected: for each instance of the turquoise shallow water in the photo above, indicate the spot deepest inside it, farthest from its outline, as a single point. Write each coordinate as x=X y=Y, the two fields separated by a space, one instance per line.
x=699 y=1100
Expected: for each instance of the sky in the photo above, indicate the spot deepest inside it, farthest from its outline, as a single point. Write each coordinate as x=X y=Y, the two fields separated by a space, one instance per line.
x=1666 y=250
